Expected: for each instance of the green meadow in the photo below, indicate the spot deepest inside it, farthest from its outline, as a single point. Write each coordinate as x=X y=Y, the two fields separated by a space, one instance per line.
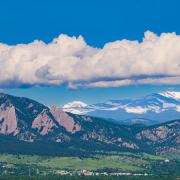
x=23 y=165
x=122 y=161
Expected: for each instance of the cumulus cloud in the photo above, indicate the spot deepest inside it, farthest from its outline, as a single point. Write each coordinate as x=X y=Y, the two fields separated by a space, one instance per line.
x=71 y=61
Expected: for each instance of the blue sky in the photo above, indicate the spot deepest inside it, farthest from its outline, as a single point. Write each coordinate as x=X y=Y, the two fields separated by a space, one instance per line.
x=99 y=22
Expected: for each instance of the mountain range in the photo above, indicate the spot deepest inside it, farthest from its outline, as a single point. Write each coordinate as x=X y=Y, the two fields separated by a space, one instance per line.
x=151 y=109
x=29 y=127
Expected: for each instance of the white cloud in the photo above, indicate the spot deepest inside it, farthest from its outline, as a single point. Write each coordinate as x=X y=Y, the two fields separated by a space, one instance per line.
x=104 y=84
x=136 y=110
x=69 y=60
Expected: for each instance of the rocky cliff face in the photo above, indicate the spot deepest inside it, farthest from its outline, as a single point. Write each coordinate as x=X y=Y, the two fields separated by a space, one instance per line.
x=24 y=120
x=8 y=119
x=161 y=138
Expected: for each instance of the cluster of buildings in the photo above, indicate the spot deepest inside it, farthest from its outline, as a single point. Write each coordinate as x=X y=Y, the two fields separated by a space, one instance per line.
x=75 y=172
x=85 y=172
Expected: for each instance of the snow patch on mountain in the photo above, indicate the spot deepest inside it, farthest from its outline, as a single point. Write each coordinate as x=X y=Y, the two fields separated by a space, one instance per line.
x=178 y=108
x=171 y=94
x=155 y=108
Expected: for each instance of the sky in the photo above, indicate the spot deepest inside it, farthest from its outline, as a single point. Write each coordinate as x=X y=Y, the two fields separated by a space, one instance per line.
x=59 y=51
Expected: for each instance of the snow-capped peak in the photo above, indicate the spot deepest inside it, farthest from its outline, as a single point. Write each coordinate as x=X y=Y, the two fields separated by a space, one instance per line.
x=75 y=107
x=75 y=104
x=156 y=106
x=171 y=94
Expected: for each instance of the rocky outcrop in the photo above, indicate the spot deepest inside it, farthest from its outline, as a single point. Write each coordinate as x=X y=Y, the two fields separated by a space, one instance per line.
x=43 y=123
x=47 y=120
x=161 y=138
x=8 y=120
x=65 y=120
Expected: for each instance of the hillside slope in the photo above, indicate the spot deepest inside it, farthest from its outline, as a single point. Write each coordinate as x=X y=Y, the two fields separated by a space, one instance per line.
x=27 y=126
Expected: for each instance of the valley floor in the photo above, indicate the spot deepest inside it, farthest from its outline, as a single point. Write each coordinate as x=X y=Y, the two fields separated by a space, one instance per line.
x=125 y=165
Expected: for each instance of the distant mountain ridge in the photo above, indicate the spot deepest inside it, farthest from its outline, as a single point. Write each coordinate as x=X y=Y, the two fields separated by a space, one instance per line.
x=154 y=108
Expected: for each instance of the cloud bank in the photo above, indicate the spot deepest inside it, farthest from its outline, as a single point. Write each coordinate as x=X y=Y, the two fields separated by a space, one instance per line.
x=72 y=62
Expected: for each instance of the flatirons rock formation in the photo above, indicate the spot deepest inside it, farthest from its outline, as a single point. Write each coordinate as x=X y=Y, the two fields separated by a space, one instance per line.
x=31 y=121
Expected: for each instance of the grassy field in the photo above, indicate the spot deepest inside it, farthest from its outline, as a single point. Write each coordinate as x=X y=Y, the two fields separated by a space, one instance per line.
x=121 y=162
